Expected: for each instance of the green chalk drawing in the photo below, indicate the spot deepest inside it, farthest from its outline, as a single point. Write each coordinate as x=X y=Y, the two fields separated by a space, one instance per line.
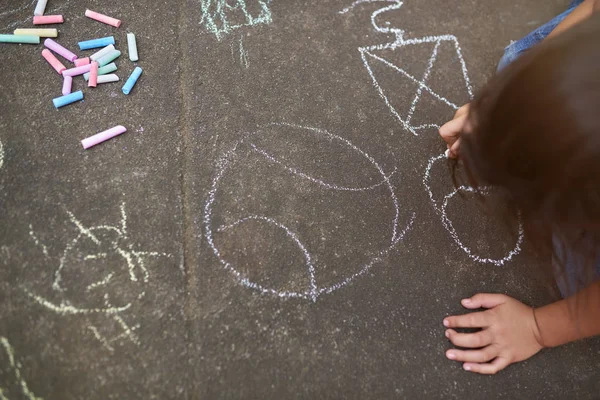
x=16 y=367
x=215 y=15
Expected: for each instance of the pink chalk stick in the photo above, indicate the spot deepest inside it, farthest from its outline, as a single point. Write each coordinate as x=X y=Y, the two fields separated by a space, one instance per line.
x=67 y=85
x=82 y=61
x=77 y=70
x=52 y=60
x=103 y=18
x=93 y=80
x=58 y=49
x=48 y=19
x=102 y=136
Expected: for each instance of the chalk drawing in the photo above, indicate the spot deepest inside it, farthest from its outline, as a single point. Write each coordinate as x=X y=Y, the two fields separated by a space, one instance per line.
x=217 y=15
x=15 y=366
x=441 y=210
x=1 y=154
x=243 y=54
x=37 y=241
x=313 y=289
x=117 y=266
x=368 y=55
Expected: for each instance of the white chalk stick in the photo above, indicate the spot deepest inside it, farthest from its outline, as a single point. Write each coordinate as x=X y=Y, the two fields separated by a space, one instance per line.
x=132 y=46
x=107 y=78
x=40 y=8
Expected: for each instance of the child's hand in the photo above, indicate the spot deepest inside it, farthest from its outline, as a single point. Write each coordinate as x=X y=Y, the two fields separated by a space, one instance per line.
x=452 y=130
x=509 y=333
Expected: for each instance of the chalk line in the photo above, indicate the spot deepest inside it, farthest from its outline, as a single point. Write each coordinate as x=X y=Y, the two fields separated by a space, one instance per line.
x=243 y=54
x=37 y=242
x=16 y=368
x=1 y=154
x=294 y=171
x=313 y=291
x=399 y=42
x=441 y=211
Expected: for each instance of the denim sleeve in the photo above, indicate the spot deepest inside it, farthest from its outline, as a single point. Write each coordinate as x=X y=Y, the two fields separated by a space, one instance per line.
x=515 y=49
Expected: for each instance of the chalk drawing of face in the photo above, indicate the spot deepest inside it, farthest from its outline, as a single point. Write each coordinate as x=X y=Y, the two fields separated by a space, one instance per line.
x=222 y=17
x=391 y=57
x=99 y=273
x=280 y=224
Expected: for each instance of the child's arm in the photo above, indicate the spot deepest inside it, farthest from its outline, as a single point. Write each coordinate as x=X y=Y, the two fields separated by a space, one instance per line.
x=583 y=11
x=567 y=320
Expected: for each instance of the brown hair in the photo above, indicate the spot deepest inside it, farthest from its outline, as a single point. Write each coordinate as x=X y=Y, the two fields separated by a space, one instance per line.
x=535 y=134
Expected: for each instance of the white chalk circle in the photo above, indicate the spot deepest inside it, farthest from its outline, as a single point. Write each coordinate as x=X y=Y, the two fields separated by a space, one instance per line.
x=247 y=152
x=441 y=210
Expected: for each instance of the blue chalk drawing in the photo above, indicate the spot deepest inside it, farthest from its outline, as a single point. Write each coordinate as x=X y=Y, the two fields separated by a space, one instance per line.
x=216 y=15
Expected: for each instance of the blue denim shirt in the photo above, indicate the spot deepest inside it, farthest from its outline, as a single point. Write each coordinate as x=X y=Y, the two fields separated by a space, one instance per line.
x=515 y=49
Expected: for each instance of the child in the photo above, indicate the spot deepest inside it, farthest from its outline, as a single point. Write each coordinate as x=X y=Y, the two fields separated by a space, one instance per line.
x=534 y=132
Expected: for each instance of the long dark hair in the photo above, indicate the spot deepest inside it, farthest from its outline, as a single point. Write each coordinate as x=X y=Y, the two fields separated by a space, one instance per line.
x=534 y=132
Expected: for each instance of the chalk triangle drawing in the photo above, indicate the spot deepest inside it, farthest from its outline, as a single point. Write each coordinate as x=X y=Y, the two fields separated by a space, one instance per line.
x=371 y=55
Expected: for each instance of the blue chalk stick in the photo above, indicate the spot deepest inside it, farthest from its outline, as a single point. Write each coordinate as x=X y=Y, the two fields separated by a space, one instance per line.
x=68 y=99
x=132 y=80
x=95 y=43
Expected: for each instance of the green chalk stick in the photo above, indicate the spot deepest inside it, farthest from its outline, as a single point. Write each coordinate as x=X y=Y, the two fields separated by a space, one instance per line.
x=20 y=39
x=107 y=69
x=110 y=57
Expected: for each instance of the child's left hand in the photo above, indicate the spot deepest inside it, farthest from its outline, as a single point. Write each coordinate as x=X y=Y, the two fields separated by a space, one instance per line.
x=509 y=333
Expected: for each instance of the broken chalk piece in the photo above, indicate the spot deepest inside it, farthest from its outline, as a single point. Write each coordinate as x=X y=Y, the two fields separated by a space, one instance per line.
x=77 y=70
x=103 y=136
x=41 y=32
x=103 y=18
x=132 y=80
x=40 y=8
x=67 y=85
x=93 y=74
x=108 y=58
x=132 y=46
x=107 y=69
x=68 y=99
x=58 y=49
x=107 y=78
x=95 y=43
x=48 y=19
x=101 y=53
x=19 y=39
x=82 y=61
x=53 y=61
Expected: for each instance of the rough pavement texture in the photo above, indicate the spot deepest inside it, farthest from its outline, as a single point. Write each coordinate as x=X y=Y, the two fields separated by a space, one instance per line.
x=250 y=236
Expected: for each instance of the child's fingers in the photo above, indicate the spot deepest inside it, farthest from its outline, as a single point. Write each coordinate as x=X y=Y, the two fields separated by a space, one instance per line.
x=485 y=300
x=472 y=320
x=475 y=356
x=454 y=149
x=470 y=340
x=498 y=364
x=451 y=130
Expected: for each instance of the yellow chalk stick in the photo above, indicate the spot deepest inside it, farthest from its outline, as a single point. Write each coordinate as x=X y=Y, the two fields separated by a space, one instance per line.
x=41 y=32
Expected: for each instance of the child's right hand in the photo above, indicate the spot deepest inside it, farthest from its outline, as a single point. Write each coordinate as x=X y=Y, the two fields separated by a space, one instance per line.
x=452 y=130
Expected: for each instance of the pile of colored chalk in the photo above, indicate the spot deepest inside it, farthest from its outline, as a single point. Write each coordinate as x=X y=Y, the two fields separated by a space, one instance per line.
x=96 y=69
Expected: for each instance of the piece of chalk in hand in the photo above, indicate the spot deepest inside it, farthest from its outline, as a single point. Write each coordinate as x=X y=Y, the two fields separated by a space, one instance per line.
x=447 y=153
